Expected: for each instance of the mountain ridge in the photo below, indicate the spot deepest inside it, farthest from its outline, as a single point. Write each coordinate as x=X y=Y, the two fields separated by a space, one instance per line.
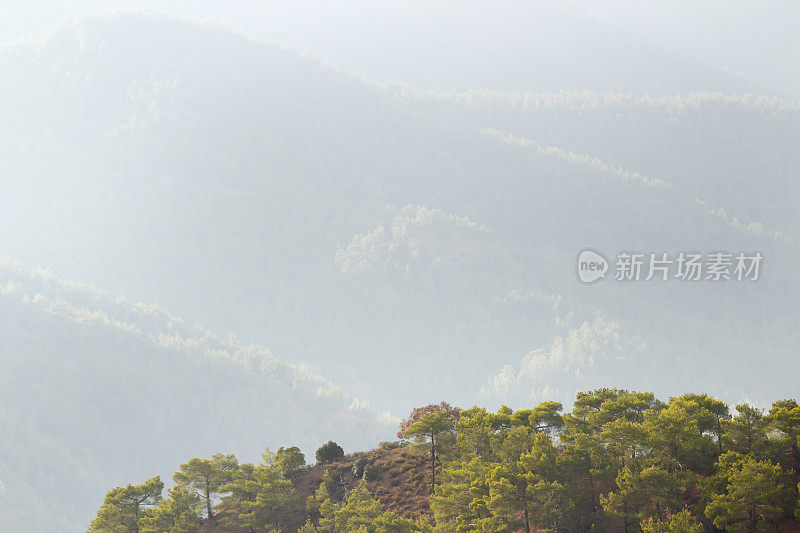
x=209 y=393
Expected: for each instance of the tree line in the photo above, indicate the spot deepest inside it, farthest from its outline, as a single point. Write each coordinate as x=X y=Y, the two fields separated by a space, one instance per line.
x=619 y=461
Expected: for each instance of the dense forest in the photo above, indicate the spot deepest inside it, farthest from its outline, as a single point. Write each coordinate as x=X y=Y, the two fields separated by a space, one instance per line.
x=619 y=461
x=210 y=243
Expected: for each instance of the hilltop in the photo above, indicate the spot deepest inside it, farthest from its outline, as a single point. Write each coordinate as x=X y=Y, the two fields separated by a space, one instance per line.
x=390 y=245
x=619 y=461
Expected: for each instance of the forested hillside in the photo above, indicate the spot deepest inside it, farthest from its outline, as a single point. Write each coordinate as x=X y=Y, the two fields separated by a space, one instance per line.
x=391 y=244
x=136 y=386
x=365 y=229
x=619 y=461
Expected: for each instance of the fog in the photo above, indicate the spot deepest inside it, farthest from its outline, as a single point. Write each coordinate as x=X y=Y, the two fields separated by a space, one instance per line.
x=276 y=224
x=412 y=42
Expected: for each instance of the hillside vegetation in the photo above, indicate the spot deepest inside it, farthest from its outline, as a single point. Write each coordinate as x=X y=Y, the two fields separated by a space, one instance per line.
x=391 y=245
x=368 y=230
x=619 y=461
x=135 y=391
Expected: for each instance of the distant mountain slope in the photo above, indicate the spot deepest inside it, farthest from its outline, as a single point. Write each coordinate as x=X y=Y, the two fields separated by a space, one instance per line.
x=96 y=391
x=736 y=152
x=541 y=46
x=373 y=232
x=410 y=247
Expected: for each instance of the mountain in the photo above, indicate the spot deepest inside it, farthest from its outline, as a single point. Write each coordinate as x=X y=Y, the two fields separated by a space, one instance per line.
x=94 y=388
x=411 y=246
x=543 y=46
x=372 y=230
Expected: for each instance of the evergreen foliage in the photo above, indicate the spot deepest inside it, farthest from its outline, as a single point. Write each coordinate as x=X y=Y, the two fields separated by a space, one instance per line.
x=620 y=461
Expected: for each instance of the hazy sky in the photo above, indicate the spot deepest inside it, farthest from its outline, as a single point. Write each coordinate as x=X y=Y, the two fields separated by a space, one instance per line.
x=400 y=247
x=755 y=40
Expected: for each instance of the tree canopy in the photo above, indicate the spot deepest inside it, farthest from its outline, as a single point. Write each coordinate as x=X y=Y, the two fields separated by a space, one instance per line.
x=620 y=461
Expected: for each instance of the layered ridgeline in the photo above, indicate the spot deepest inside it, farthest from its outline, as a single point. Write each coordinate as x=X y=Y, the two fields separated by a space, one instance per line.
x=543 y=46
x=374 y=231
x=97 y=389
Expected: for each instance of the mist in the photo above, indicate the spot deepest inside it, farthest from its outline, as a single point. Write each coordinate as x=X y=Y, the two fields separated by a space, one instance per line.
x=277 y=224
